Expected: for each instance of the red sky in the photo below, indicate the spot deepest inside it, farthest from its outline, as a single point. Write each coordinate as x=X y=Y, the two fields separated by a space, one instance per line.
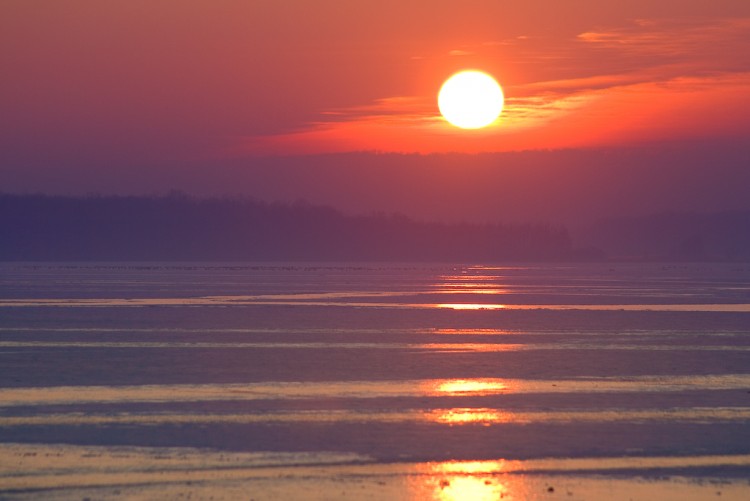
x=134 y=83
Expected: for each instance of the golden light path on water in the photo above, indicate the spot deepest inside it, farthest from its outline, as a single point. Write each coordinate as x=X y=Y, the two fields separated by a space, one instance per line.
x=574 y=404
x=310 y=300
x=454 y=416
x=434 y=347
x=471 y=290
x=171 y=473
x=456 y=333
x=363 y=389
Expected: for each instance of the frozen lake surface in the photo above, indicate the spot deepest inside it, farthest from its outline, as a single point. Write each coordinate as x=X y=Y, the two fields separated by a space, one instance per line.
x=321 y=381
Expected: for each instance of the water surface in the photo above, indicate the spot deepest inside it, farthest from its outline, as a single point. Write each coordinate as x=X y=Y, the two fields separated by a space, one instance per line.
x=383 y=380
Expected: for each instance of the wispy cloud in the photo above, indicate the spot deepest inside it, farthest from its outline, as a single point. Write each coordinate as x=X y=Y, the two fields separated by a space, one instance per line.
x=709 y=44
x=460 y=52
x=646 y=80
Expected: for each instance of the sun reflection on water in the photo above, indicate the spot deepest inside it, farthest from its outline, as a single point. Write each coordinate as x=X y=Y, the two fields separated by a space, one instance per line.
x=465 y=415
x=484 y=332
x=469 y=289
x=469 y=488
x=469 y=416
x=468 y=278
x=465 y=284
x=468 y=386
x=470 y=306
x=467 y=481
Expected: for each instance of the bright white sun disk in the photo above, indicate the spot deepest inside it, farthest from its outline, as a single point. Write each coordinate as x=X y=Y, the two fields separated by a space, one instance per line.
x=471 y=99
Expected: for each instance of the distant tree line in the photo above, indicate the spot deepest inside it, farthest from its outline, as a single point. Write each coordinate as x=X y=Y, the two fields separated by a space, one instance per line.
x=179 y=227
x=717 y=236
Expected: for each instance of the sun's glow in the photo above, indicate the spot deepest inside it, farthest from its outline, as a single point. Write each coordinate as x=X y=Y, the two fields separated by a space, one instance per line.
x=471 y=99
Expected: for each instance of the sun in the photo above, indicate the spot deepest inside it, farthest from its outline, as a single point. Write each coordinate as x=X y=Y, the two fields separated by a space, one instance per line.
x=471 y=99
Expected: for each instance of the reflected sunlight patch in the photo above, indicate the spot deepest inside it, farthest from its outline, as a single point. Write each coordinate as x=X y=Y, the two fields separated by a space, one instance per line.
x=427 y=347
x=455 y=416
x=315 y=300
x=471 y=306
x=361 y=389
x=99 y=472
x=463 y=386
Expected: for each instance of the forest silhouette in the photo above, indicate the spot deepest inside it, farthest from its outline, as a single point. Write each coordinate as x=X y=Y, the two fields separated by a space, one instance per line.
x=178 y=227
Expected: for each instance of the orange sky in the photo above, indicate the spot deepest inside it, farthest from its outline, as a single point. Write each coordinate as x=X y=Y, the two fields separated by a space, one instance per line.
x=157 y=81
x=233 y=96
x=638 y=80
